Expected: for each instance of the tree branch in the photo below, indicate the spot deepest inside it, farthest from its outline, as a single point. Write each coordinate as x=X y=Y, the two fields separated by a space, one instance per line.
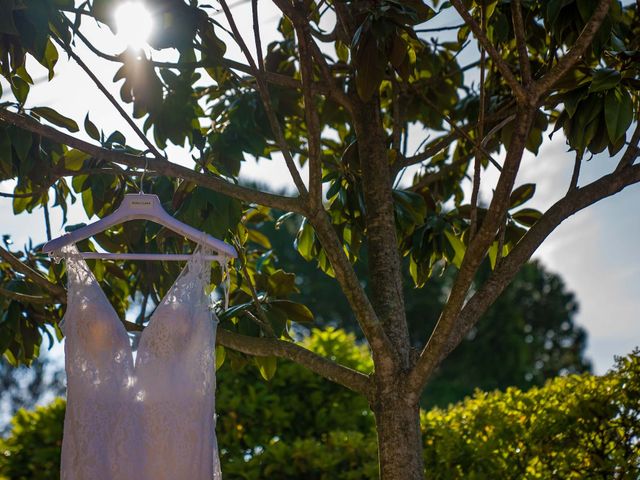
x=444 y=141
x=356 y=296
x=519 y=92
x=576 y=172
x=566 y=63
x=463 y=132
x=501 y=277
x=475 y=253
x=24 y=298
x=475 y=190
x=127 y=118
x=521 y=42
x=347 y=377
x=573 y=202
x=311 y=118
x=632 y=151
x=32 y=274
x=162 y=167
x=268 y=106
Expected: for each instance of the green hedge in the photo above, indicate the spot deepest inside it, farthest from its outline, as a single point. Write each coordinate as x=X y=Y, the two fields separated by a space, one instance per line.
x=299 y=426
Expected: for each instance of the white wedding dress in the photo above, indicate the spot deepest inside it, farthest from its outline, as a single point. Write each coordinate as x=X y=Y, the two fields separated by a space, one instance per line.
x=152 y=419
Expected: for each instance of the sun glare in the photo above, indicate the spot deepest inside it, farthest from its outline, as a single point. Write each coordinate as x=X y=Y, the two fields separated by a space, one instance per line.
x=133 y=23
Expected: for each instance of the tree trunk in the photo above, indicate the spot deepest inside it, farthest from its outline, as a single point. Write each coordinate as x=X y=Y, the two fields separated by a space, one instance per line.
x=399 y=438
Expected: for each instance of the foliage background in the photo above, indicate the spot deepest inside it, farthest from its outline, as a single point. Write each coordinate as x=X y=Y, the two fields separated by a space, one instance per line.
x=301 y=426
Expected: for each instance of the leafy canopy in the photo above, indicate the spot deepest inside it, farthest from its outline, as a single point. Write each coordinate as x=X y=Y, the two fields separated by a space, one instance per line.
x=209 y=103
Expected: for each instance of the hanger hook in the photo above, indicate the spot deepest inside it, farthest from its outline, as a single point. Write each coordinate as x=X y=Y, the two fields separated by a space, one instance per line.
x=144 y=172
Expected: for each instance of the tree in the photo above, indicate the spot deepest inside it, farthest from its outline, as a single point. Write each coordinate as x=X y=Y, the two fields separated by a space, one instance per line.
x=341 y=100
x=526 y=337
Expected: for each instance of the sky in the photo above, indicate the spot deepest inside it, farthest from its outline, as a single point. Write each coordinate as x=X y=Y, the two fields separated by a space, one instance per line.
x=595 y=251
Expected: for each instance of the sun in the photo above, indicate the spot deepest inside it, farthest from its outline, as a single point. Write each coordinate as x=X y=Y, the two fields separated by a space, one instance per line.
x=133 y=24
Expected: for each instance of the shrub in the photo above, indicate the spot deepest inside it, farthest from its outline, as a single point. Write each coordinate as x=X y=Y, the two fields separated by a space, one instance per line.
x=32 y=451
x=300 y=426
x=575 y=427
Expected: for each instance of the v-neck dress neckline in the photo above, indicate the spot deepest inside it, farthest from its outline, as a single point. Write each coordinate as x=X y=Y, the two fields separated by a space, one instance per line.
x=188 y=285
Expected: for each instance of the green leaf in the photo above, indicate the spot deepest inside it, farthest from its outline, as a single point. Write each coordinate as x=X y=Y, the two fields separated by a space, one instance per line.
x=20 y=89
x=305 y=240
x=527 y=216
x=56 y=118
x=296 y=312
x=281 y=283
x=618 y=113
x=91 y=129
x=50 y=57
x=221 y=354
x=74 y=159
x=259 y=238
x=604 y=79
x=267 y=366
x=522 y=194
x=458 y=247
x=342 y=51
x=22 y=141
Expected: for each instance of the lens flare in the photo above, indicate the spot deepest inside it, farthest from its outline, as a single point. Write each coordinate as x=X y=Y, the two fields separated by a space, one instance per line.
x=133 y=23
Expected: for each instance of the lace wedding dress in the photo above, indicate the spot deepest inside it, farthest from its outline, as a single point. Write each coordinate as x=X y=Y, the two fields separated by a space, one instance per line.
x=152 y=419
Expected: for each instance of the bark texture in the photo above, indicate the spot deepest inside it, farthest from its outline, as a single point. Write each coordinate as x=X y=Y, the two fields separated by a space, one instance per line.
x=399 y=437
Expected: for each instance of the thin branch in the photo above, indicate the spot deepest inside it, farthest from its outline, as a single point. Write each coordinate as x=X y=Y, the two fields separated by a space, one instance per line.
x=433 y=148
x=263 y=321
x=35 y=193
x=352 y=379
x=325 y=37
x=127 y=118
x=439 y=29
x=463 y=132
x=438 y=144
x=496 y=129
x=444 y=170
x=519 y=92
x=501 y=234
x=576 y=172
x=566 y=63
x=256 y=36
x=162 y=167
x=268 y=105
x=311 y=118
x=632 y=151
x=475 y=190
x=36 y=277
x=521 y=42
x=24 y=298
